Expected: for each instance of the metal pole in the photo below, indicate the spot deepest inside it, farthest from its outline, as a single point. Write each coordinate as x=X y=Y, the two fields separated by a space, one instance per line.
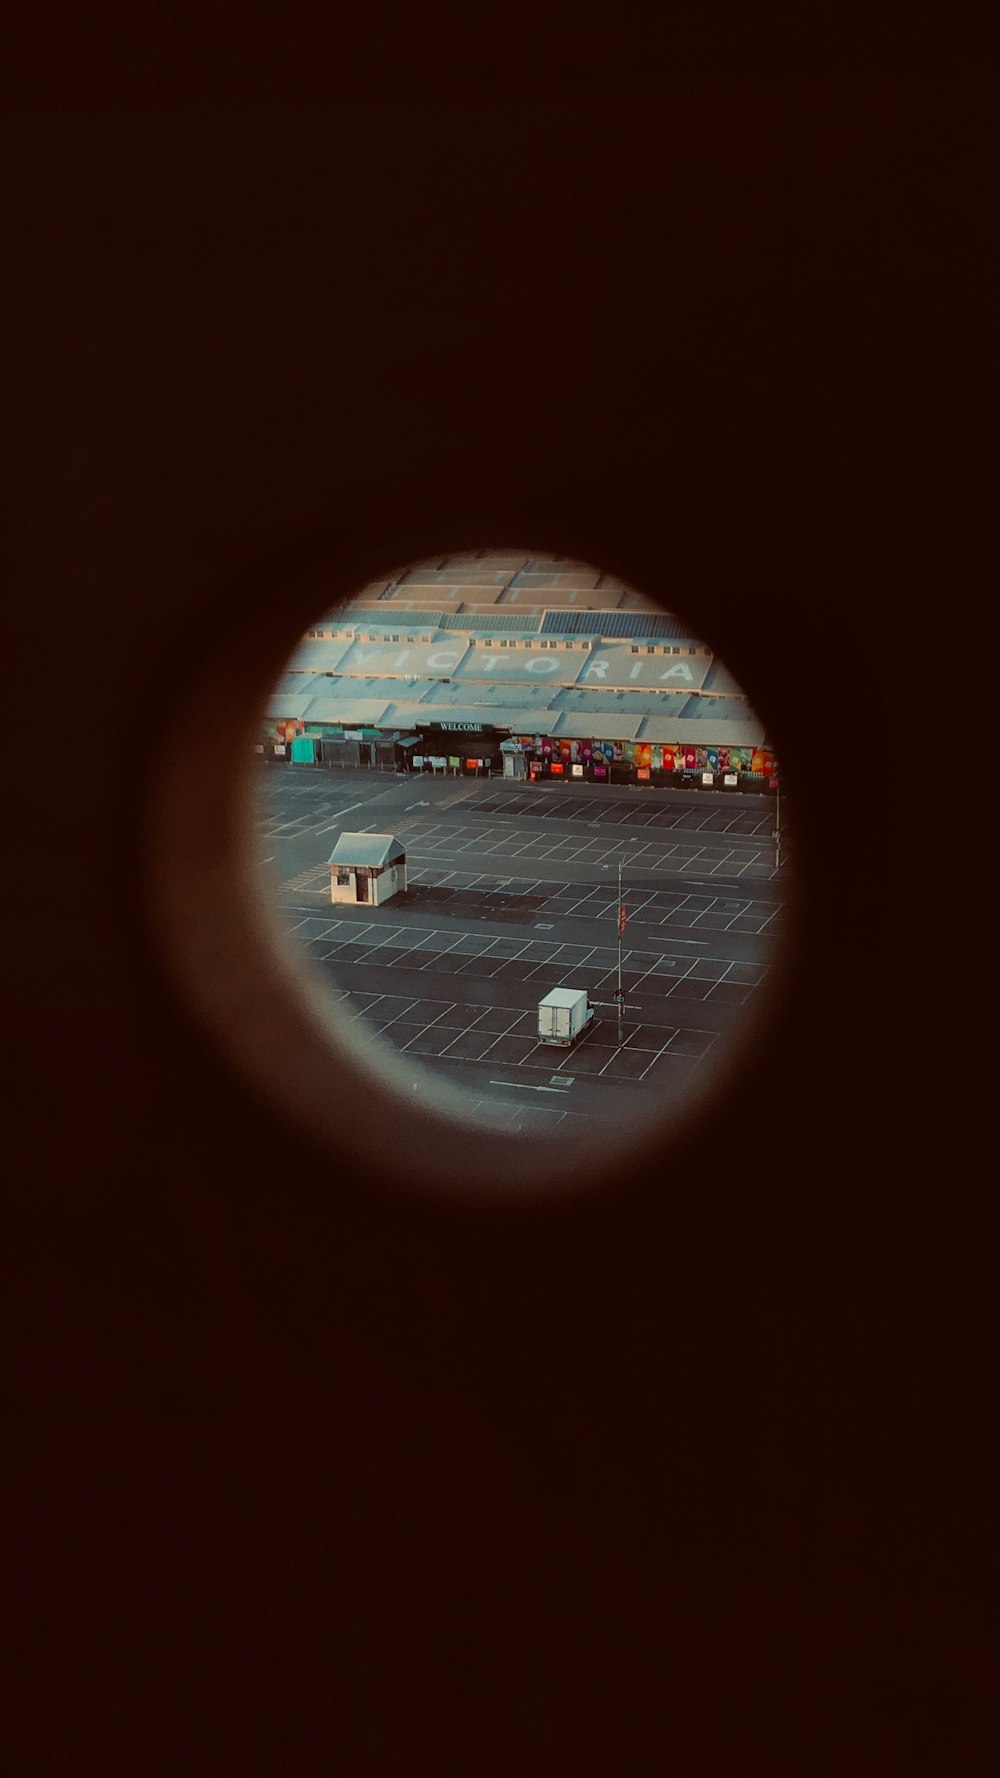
x=777 y=828
x=619 y=953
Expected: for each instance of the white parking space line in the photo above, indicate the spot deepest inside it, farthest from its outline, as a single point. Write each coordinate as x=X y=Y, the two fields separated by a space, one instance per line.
x=336 y=819
x=564 y=954
x=527 y=1086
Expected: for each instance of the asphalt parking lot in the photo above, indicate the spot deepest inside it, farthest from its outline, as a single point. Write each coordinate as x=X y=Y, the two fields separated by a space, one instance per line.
x=451 y=973
x=637 y=807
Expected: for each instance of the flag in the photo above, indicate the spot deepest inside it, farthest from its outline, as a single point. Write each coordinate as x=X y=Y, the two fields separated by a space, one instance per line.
x=622 y=915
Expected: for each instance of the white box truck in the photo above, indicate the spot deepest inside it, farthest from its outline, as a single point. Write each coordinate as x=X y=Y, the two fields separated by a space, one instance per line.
x=563 y=1016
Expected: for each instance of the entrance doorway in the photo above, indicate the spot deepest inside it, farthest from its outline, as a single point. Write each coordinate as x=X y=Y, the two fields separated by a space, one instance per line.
x=361 y=885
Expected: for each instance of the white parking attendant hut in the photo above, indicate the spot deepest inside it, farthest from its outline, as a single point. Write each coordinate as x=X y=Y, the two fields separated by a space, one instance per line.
x=367 y=867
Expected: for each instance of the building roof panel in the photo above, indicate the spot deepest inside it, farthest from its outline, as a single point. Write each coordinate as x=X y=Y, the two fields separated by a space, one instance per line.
x=361 y=712
x=404 y=660
x=367 y=851
x=492 y=696
x=341 y=691
x=285 y=706
x=615 y=664
x=523 y=721
x=615 y=623
x=690 y=732
x=643 y=703
x=609 y=725
x=718 y=678
x=318 y=657
x=528 y=666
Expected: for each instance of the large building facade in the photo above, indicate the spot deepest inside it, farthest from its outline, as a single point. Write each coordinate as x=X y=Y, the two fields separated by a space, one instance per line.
x=531 y=667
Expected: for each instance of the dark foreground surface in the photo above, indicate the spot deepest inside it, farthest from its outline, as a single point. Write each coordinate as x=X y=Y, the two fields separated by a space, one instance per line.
x=308 y=1472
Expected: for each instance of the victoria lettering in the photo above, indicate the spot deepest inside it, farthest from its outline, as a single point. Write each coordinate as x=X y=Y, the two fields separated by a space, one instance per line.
x=536 y=666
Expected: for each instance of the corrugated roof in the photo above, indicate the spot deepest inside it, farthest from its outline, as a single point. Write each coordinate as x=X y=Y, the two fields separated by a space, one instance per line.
x=367 y=850
x=576 y=577
x=523 y=622
x=614 y=623
x=462 y=574
x=533 y=618
x=622 y=688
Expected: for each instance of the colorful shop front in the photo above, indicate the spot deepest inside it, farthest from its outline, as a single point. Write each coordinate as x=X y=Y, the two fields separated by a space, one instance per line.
x=631 y=748
x=702 y=766
x=733 y=755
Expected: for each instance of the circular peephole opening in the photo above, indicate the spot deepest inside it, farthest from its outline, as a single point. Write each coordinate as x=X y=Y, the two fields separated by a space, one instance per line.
x=520 y=858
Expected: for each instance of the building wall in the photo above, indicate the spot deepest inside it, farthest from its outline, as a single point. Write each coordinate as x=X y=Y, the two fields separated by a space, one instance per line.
x=391 y=881
x=382 y=886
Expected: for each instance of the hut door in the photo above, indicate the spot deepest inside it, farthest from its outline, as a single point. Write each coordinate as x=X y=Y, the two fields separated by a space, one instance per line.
x=361 y=884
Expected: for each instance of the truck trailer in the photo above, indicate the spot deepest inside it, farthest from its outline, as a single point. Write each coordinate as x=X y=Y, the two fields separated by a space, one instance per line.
x=563 y=1016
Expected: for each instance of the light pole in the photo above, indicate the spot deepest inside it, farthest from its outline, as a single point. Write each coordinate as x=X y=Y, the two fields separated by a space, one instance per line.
x=776 y=836
x=619 y=996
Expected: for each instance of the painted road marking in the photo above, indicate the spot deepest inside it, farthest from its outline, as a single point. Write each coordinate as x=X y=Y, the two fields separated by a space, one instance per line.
x=525 y=1086
x=335 y=819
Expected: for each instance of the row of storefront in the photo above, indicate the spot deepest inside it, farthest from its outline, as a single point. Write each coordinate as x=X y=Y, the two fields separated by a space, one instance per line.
x=486 y=751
